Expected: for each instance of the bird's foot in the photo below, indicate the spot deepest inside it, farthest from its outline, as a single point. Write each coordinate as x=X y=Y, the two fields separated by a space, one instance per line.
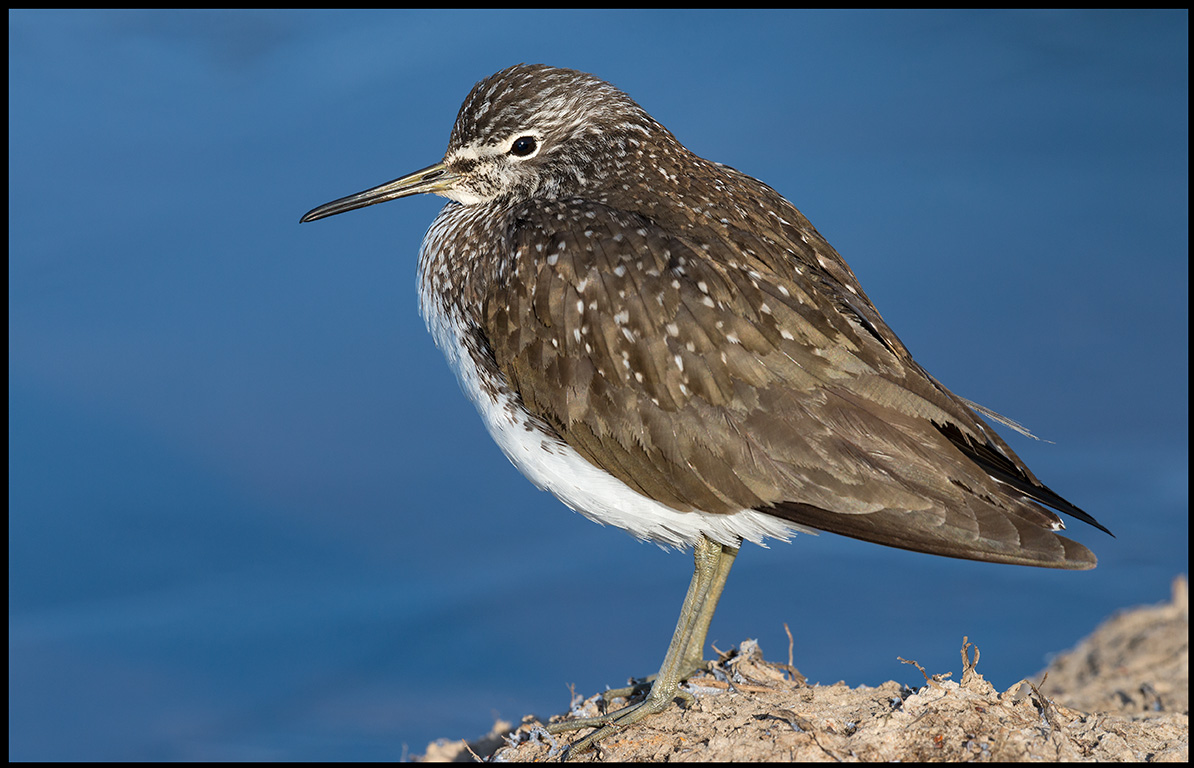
x=642 y=687
x=659 y=699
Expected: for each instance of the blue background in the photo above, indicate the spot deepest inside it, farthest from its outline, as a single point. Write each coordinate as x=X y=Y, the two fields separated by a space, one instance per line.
x=253 y=517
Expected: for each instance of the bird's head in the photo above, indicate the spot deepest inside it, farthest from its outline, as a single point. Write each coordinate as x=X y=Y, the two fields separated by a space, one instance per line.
x=530 y=131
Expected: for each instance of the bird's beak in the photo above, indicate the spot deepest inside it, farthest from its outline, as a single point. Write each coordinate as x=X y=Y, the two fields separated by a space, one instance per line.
x=435 y=178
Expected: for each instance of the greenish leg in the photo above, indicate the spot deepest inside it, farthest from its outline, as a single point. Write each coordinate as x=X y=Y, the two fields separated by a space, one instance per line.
x=694 y=659
x=684 y=653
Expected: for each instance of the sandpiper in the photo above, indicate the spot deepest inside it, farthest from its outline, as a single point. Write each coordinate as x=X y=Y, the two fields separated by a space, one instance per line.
x=669 y=346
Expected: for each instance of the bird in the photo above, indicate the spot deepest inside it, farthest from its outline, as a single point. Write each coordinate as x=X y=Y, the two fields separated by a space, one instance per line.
x=669 y=346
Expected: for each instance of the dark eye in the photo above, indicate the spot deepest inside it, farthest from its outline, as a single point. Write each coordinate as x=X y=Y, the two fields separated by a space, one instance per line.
x=523 y=146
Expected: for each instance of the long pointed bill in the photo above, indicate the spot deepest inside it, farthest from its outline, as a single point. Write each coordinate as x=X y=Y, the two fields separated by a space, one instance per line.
x=432 y=179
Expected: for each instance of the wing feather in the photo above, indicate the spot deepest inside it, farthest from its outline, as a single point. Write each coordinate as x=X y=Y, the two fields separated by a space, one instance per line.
x=709 y=373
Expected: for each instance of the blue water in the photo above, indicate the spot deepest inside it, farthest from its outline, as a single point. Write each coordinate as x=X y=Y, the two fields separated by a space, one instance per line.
x=253 y=518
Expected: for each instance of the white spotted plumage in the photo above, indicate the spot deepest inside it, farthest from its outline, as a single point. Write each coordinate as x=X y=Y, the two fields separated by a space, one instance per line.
x=541 y=456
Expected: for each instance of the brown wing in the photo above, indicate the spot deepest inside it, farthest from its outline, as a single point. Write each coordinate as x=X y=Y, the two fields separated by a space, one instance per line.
x=707 y=373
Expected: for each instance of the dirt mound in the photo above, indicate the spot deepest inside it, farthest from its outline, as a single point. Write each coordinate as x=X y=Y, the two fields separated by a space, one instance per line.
x=1121 y=694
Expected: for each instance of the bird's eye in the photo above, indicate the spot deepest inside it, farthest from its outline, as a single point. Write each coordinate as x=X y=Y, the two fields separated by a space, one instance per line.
x=524 y=146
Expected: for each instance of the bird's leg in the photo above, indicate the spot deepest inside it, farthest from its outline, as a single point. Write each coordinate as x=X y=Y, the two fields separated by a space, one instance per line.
x=684 y=653
x=694 y=657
